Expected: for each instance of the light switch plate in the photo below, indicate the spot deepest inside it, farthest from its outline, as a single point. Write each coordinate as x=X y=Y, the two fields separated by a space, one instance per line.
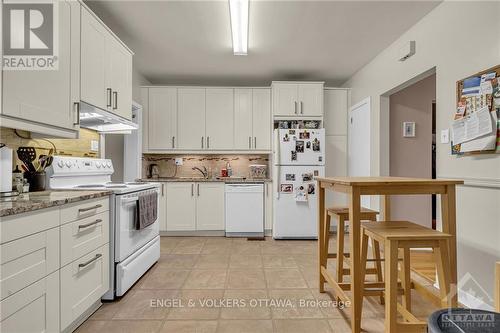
x=94 y=145
x=178 y=161
x=445 y=136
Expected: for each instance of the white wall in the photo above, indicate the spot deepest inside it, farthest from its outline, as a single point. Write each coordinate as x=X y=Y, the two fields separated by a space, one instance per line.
x=446 y=40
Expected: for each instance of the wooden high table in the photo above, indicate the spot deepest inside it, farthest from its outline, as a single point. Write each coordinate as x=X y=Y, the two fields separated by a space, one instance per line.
x=355 y=187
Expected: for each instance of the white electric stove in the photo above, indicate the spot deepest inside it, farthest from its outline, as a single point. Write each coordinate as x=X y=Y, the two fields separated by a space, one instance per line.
x=132 y=252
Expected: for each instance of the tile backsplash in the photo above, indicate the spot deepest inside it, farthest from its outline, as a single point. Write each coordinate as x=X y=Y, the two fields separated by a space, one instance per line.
x=166 y=163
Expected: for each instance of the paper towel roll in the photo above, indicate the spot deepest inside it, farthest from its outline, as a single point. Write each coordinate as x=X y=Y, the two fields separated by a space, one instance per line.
x=5 y=169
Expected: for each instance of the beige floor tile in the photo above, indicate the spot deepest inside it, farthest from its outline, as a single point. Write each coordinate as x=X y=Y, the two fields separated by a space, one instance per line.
x=206 y=279
x=245 y=261
x=212 y=261
x=189 y=246
x=240 y=247
x=183 y=326
x=139 y=305
x=295 y=303
x=340 y=325
x=216 y=248
x=121 y=326
x=164 y=278
x=306 y=261
x=278 y=261
x=249 y=305
x=274 y=248
x=178 y=261
x=196 y=305
x=245 y=326
x=308 y=248
x=167 y=244
x=109 y=309
x=246 y=279
x=302 y=326
x=284 y=278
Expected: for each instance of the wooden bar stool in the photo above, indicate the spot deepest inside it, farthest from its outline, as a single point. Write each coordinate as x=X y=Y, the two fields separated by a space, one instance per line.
x=342 y=214
x=406 y=235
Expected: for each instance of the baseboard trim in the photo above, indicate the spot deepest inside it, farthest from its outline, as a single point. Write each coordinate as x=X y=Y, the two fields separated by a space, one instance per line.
x=204 y=233
x=475 y=182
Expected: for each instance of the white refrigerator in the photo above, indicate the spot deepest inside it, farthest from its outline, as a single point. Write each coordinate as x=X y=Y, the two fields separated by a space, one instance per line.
x=299 y=157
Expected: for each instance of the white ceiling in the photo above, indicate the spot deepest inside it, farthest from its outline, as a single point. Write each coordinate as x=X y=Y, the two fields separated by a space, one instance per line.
x=189 y=42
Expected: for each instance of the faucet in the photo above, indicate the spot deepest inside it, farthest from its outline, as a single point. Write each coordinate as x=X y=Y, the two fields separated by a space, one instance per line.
x=204 y=172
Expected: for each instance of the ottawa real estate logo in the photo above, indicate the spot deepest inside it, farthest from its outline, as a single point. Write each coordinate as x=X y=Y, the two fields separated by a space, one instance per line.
x=30 y=34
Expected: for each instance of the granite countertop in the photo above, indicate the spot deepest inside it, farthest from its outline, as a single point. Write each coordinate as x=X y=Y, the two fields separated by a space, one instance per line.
x=199 y=179
x=38 y=200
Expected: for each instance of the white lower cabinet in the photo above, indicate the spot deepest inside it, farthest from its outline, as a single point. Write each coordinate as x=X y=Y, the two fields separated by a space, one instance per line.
x=181 y=207
x=195 y=206
x=210 y=206
x=83 y=282
x=34 y=309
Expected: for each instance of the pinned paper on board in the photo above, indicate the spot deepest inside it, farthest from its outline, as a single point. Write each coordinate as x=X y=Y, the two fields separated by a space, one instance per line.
x=472 y=126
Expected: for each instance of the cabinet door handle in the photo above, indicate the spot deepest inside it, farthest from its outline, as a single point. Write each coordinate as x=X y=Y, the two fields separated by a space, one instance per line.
x=192 y=190
x=97 y=256
x=83 y=226
x=255 y=142
x=115 y=98
x=81 y=210
x=208 y=142
x=295 y=106
x=76 y=106
x=108 y=92
x=162 y=189
x=301 y=107
x=198 y=189
x=249 y=142
x=173 y=142
x=202 y=140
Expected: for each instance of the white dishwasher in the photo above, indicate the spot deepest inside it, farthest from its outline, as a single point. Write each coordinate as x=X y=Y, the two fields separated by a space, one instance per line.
x=244 y=210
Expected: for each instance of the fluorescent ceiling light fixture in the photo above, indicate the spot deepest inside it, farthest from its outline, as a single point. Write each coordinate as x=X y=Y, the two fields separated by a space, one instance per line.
x=239 y=25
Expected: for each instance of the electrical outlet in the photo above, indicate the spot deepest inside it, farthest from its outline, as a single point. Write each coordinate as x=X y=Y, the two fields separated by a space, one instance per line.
x=94 y=145
x=178 y=161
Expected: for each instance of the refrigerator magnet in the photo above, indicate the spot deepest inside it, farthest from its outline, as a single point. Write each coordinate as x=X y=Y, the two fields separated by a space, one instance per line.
x=308 y=145
x=299 y=146
x=287 y=188
x=304 y=135
x=286 y=138
x=290 y=177
x=300 y=194
x=294 y=155
x=311 y=189
x=316 y=145
x=291 y=132
x=316 y=173
x=307 y=177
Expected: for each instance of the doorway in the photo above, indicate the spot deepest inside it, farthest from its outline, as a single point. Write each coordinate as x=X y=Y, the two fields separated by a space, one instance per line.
x=412 y=147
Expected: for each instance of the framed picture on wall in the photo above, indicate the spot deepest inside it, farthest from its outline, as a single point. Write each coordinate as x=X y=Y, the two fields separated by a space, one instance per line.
x=409 y=129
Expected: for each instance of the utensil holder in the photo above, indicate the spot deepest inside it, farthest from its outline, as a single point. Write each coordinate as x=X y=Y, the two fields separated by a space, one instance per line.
x=36 y=180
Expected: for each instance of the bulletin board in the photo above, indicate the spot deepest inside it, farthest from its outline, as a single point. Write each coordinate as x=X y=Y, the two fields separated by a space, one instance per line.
x=472 y=98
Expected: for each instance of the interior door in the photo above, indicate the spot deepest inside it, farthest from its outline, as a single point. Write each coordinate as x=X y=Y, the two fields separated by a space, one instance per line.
x=262 y=122
x=93 y=62
x=47 y=96
x=191 y=118
x=359 y=142
x=219 y=118
x=210 y=206
x=285 y=102
x=243 y=118
x=162 y=118
x=310 y=99
x=181 y=206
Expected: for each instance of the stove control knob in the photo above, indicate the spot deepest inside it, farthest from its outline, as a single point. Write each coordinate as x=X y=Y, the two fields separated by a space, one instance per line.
x=60 y=163
x=68 y=164
x=108 y=164
x=98 y=165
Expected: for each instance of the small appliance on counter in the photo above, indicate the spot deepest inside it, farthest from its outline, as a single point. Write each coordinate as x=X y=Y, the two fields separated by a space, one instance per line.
x=153 y=171
x=6 y=172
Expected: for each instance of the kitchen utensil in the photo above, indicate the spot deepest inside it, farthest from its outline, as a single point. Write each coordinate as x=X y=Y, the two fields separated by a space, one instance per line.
x=37 y=181
x=27 y=155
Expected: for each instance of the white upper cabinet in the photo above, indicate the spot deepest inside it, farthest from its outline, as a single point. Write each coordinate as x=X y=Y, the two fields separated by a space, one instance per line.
x=302 y=99
x=243 y=114
x=261 y=119
x=93 y=63
x=162 y=118
x=106 y=68
x=191 y=118
x=219 y=118
x=46 y=101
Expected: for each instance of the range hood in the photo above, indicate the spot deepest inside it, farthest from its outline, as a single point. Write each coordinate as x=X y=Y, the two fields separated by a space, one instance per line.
x=103 y=121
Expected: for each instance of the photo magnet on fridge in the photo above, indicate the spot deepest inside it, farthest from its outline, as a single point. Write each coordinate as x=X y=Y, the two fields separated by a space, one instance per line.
x=294 y=155
x=300 y=194
x=315 y=144
x=304 y=135
x=286 y=138
x=299 y=146
x=308 y=145
x=316 y=173
x=290 y=177
x=307 y=177
x=310 y=189
x=291 y=132
x=287 y=188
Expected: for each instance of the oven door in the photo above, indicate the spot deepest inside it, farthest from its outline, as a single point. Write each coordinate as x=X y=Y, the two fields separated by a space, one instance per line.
x=127 y=238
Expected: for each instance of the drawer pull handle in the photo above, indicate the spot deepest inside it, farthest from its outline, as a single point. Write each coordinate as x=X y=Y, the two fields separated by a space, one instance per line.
x=81 y=226
x=81 y=210
x=97 y=256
